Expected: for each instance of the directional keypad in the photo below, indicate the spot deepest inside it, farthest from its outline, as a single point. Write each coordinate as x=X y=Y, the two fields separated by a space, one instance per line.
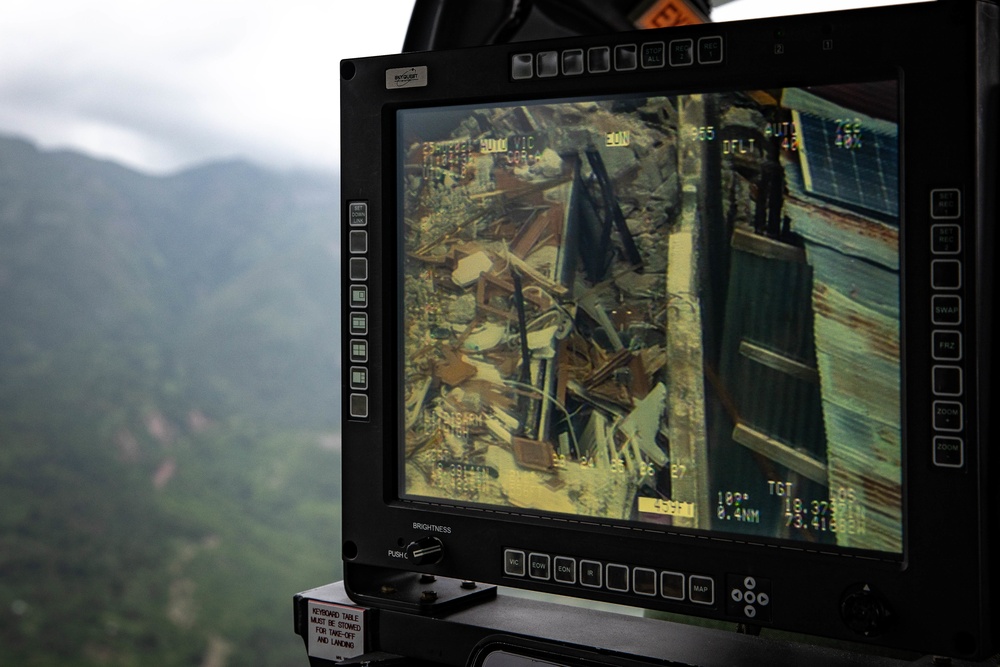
x=749 y=598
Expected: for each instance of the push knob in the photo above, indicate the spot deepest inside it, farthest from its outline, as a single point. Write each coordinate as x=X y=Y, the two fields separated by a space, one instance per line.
x=425 y=551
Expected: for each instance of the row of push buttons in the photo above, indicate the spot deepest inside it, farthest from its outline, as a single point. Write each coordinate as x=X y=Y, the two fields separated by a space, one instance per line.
x=676 y=586
x=946 y=338
x=357 y=244
x=621 y=58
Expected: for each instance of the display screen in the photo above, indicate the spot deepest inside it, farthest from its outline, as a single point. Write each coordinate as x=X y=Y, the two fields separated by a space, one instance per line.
x=671 y=310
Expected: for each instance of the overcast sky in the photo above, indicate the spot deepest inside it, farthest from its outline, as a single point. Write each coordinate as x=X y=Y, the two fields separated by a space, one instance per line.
x=160 y=85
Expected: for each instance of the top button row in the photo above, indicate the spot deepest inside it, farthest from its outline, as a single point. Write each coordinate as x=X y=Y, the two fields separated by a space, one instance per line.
x=598 y=59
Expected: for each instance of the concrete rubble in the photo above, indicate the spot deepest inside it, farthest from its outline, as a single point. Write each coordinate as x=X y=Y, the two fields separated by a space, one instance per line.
x=534 y=339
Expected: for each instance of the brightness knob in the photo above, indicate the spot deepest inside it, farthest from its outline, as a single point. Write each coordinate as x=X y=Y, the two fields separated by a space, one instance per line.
x=425 y=551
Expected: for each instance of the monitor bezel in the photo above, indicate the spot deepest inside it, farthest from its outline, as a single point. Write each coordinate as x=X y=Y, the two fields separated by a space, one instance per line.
x=393 y=258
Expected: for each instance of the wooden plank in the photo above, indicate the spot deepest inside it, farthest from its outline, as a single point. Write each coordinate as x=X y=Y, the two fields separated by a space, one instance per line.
x=533 y=454
x=767 y=247
x=779 y=362
x=685 y=362
x=851 y=234
x=781 y=453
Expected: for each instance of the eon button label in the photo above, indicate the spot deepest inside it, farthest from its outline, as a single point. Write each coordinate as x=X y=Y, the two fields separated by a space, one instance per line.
x=565 y=569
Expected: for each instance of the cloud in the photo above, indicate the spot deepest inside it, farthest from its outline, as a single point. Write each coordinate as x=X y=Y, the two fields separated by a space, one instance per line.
x=160 y=85
x=750 y=9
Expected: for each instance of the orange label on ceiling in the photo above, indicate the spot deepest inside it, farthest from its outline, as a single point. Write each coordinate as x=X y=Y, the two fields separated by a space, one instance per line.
x=669 y=13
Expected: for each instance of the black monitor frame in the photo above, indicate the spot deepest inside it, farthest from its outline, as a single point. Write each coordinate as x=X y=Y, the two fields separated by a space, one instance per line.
x=940 y=594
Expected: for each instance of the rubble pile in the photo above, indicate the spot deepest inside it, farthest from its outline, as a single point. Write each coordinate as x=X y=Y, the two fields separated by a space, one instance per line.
x=535 y=305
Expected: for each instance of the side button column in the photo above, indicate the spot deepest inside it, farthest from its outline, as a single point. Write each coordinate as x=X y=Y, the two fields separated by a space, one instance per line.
x=948 y=445
x=357 y=325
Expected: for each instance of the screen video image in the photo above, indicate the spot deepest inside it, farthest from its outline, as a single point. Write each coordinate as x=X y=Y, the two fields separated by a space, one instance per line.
x=680 y=310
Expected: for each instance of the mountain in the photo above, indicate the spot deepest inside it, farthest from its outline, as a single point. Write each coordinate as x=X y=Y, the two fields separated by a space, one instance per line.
x=93 y=251
x=169 y=458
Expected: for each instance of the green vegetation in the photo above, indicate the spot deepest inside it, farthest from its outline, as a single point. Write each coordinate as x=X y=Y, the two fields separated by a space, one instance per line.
x=169 y=464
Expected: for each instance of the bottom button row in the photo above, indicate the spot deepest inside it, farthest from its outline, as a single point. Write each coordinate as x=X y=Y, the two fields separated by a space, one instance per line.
x=616 y=577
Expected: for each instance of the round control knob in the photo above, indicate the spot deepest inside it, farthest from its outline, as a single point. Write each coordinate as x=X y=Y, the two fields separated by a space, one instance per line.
x=864 y=611
x=425 y=551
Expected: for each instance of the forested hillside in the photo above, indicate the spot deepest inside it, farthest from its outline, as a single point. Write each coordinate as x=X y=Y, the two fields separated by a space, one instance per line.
x=169 y=457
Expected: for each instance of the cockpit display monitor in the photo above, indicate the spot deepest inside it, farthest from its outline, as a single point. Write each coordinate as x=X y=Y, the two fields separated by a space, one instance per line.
x=697 y=320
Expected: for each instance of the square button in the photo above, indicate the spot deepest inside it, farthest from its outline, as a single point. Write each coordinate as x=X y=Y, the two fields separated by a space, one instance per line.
x=672 y=585
x=359 y=350
x=521 y=66
x=948 y=416
x=548 y=64
x=946 y=204
x=358 y=213
x=590 y=573
x=946 y=274
x=564 y=569
x=572 y=62
x=653 y=55
x=947 y=380
x=359 y=377
x=538 y=566
x=358 y=268
x=701 y=590
x=598 y=59
x=359 y=406
x=514 y=563
x=949 y=452
x=710 y=50
x=644 y=581
x=358 y=241
x=946 y=309
x=359 y=324
x=681 y=52
x=946 y=345
x=625 y=57
x=359 y=296
x=946 y=239
x=617 y=577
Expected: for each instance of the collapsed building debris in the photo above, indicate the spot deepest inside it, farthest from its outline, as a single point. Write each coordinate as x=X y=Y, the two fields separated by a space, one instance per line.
x=530 y=329
x=627 y=308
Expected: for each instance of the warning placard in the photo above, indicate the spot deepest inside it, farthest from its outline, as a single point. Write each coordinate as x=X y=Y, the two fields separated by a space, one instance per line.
x=336 y=632
x=669 y=13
